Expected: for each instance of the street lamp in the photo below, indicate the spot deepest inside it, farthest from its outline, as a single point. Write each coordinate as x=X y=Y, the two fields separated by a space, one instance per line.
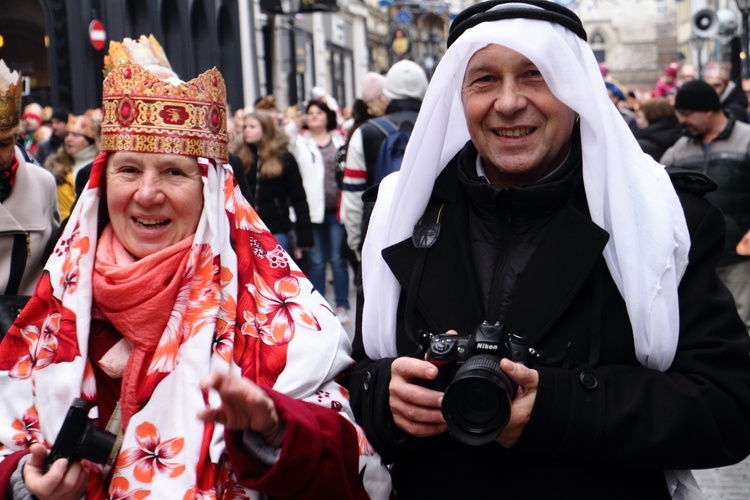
x=431 y=58
x=744 y=8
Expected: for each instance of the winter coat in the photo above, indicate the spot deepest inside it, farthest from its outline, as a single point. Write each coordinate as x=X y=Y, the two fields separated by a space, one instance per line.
x=311 y=167
x=602 y=426
x=659 y=136
x=273 y=197
x=31 y=208
x=726 y=160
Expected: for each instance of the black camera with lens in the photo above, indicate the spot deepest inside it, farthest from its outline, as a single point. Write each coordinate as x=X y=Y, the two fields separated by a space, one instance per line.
x=79 y=438
x=478 y=394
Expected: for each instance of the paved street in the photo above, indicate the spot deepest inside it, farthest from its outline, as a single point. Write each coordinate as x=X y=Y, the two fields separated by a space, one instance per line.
x=727 y=483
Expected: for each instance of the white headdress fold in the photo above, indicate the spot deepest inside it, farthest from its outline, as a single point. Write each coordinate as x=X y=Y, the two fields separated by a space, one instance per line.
x=624 y=186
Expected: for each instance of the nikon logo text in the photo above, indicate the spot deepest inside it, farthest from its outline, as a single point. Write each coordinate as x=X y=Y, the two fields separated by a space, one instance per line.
x=486 y=347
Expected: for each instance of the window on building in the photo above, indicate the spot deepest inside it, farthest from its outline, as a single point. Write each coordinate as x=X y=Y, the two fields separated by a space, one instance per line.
x=598 y=46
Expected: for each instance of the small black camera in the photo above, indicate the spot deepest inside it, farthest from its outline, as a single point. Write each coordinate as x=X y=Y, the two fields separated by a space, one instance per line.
x=478 y=394
x=79 y=438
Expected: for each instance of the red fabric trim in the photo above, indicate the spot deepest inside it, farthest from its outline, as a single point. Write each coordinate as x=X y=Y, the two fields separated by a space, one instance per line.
x=319 y=455
x=7 y=467
x=355 y=174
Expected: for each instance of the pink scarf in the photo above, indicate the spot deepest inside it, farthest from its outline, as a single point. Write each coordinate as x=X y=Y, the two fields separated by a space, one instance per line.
x=137 y=296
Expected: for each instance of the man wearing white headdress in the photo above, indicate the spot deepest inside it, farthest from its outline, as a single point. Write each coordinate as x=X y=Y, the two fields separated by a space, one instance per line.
x=523 y=201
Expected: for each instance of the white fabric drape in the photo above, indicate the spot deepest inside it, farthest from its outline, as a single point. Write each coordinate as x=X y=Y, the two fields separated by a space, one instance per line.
x=624 y=187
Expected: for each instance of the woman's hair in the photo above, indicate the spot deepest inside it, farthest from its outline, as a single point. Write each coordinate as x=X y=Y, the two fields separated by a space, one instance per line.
x=360 y=115
x=268 y=102
x=330 y=114
x=655 y=109
x=272 y=145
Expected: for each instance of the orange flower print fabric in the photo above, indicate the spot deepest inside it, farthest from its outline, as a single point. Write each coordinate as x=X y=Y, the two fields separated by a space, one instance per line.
x=243 y=307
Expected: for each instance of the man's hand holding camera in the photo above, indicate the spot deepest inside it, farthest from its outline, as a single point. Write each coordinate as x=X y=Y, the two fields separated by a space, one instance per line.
x=520 y=411
x=489 y=388
x=417 y=410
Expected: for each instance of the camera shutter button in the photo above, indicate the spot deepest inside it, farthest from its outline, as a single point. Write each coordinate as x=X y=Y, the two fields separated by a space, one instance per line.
x=588 y=380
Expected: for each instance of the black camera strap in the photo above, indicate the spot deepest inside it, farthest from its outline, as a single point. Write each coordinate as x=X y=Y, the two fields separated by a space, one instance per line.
x=423 y=237
x=18 y=256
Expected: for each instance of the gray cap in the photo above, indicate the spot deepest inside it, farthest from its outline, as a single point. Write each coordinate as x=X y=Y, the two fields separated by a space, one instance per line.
x=405 y=80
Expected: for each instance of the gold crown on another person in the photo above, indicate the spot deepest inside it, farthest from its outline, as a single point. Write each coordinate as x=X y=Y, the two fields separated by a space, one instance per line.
x=143 y=113
x=82 y=125
x=10 y=97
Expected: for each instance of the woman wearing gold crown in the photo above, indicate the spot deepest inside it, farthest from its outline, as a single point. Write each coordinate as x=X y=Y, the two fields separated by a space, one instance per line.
x=170 y=310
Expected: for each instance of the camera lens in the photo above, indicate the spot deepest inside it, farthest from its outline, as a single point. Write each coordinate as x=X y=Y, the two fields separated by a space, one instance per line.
x=476 y=404
x=96 y=444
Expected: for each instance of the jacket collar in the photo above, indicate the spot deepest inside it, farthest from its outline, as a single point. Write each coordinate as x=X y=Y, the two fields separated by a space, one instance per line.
x=449 y=294
x=22 y=210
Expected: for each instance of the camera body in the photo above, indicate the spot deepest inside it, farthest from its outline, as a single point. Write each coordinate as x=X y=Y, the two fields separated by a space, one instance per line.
x=478 y=394
x=79 y=438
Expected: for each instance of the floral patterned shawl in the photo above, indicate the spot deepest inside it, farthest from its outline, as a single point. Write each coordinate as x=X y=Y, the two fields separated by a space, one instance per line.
x=244 y=307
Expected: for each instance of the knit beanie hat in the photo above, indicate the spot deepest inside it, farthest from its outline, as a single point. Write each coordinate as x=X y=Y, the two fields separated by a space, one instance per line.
x=671 y=70
x=372 y=86
x=697 y=95
x=405 y=80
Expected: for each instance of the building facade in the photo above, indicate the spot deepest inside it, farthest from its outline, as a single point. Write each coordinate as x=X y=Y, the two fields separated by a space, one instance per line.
x=279 y=47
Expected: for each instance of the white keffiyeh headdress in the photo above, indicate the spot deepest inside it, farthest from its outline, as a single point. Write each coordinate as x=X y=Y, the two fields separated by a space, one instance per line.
x=624 y=187
x=629 y=195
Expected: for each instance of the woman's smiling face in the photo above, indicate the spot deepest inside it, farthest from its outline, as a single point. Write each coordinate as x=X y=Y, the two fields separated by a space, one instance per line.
x=153 y=200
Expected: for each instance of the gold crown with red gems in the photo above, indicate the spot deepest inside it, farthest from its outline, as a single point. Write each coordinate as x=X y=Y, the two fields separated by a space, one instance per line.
x=145 y=114
x=10 y=98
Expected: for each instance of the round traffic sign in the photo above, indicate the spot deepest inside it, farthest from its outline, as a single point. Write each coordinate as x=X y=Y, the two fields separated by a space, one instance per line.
x=97 y=34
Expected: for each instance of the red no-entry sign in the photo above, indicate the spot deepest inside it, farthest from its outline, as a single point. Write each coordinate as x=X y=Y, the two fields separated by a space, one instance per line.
x=97 y=34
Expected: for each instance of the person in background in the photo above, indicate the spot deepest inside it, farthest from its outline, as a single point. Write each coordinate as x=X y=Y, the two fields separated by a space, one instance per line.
x=658 y=128
x=373 y=95
x=686 y=73
x=319 y=93
x=618 y=99
x=33 y=132
x=667 y=80
x=718 y=145
x=58 y=125
x=268 y=103
x=169 y=307
x=78 y=151
x=404 y=88
x=274 y=180
x=28 y=204
x=731 y=96
x=314 y=147
x=524 y=202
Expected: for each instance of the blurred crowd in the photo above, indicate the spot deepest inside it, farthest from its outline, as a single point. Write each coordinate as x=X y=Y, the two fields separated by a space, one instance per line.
x=651 y=116
x=291 y=163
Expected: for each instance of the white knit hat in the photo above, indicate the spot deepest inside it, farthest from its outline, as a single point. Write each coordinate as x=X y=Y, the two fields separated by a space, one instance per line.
x=405 y=80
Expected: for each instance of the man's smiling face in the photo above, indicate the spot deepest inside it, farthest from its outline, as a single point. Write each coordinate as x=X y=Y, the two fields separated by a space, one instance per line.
x=521 y=130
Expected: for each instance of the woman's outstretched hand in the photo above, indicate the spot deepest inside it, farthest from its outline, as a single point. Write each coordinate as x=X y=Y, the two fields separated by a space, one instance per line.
x=244 y=405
